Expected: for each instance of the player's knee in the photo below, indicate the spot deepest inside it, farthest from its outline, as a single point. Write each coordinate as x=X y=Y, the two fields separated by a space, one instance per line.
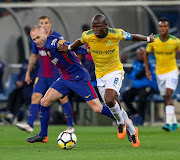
x=45 y=102
x=36 y=99
x=97 y=109
x=168 y=95
x=109 y=101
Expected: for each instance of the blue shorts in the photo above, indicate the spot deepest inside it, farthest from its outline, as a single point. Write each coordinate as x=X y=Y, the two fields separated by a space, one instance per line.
x=82 y=88
x=42 y=84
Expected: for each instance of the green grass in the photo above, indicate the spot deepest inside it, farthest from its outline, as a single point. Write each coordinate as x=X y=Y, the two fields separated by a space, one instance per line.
x=94 y=143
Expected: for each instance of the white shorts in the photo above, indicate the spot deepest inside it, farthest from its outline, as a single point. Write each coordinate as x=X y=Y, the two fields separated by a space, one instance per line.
x=112 y=80
x=168 y=80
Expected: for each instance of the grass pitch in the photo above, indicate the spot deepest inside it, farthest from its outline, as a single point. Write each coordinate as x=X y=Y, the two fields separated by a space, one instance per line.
x=94 y=143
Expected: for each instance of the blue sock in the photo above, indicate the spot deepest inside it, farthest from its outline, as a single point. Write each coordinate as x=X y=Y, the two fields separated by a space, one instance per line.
x=44 y=118
x=34 y=109
x=107 y=112
x=68 y=113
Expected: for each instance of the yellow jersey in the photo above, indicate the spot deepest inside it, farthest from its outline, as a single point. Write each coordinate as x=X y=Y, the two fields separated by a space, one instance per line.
x=105 y=51
x=165 y=53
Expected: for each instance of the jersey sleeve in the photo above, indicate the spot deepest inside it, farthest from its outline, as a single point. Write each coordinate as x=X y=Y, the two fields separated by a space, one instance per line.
x=84 y=37
x=149 y=47
x=122 y=35
x=34 y=49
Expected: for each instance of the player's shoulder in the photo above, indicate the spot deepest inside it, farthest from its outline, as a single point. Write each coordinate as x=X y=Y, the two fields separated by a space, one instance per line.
x=88 y=33
x=157 y=36
x=57 y=34
x=173 y=37
x=51 y=41
x=115 y=30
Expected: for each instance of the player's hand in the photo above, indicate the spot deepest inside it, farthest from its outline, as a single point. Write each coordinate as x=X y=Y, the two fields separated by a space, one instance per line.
x=148 y=74
x=28 y=78
x=63 y=47
x=88 y=50
x=151 y=37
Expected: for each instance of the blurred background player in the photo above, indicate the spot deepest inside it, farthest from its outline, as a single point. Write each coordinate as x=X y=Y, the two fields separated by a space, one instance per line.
x=47 y=74
x=142 y=88
x=20 y=98
x=103 y=43
x=165 y=46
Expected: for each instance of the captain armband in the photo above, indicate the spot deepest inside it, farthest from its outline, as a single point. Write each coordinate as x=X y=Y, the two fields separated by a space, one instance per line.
x=126 y=35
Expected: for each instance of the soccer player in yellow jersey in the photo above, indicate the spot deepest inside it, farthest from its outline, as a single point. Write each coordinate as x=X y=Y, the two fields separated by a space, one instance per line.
x=104 y=47
x=165 y=46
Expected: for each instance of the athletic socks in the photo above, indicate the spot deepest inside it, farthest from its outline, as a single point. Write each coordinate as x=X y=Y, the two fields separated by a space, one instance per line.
x=170 y=115
x=117 y=113
x=129 y=124
x=44 y=119
x=68 y=113
x=106 y=111
x=34 y=109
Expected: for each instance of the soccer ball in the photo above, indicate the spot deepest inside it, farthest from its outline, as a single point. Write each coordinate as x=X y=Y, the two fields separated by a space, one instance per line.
x=67 y=140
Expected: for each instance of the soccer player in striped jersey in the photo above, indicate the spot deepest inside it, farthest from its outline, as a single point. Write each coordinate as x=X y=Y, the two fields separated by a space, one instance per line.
x=73 y=77
x=104 y=47
x=47 y=74
x=165 y=46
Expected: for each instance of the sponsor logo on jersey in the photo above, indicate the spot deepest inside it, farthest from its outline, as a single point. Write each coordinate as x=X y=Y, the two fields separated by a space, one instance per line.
x=109 y=43
x=53 y=43
x=54 y=61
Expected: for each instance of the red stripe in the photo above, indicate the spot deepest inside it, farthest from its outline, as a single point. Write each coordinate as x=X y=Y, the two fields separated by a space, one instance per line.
x=67 y=59
x=92 y=89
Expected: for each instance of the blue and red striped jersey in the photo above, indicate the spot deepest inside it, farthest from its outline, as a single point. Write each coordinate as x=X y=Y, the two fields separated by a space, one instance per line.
x=68 y=63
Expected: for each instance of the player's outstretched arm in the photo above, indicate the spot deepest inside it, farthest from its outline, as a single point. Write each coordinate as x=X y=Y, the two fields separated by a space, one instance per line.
x=66 y=48
x=32 y=61
x=138 y=37
x=146 y=62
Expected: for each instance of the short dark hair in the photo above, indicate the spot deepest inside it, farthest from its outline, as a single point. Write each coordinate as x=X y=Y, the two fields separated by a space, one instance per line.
x=44 y=17
x=164 y=19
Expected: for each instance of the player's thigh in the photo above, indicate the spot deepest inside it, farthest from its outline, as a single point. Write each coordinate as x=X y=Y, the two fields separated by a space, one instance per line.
x=61 y=86
x=161 y=80
x=96 y=105
x=172 y=80
x=52 y=95
x=112 y=81
x=83 y=89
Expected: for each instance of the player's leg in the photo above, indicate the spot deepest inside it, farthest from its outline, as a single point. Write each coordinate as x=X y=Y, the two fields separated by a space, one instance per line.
x=171 y=121
x=67 y=108
x=109 y=86
x=87 y=91
x=57 y=90
x=50 y=96
x=40 y=88
x=170 y=84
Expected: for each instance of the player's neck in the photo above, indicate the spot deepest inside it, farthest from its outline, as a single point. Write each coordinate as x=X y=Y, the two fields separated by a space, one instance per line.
x=164 y=37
